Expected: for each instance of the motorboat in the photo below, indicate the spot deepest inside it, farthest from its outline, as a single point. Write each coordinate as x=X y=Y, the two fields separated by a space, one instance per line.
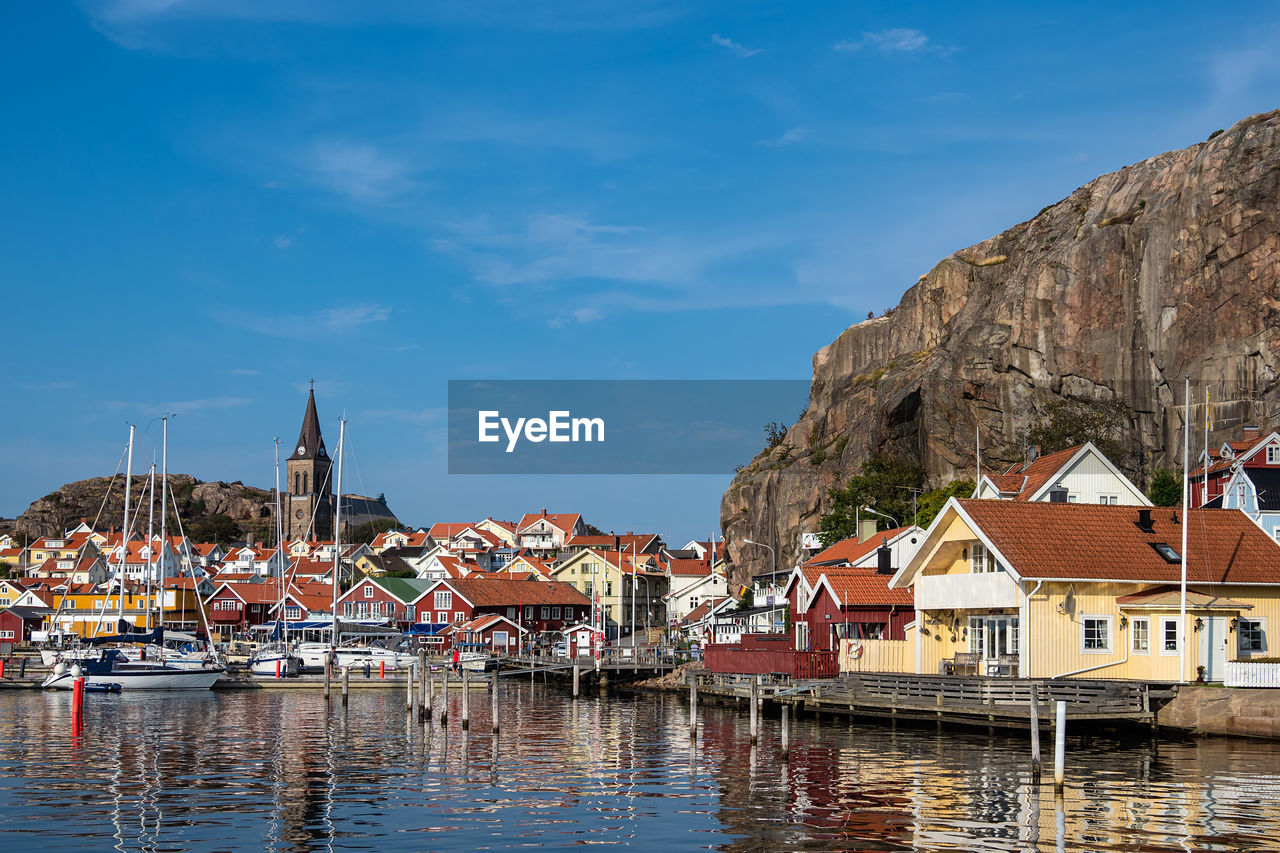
x=358 y=656
x=276 y=660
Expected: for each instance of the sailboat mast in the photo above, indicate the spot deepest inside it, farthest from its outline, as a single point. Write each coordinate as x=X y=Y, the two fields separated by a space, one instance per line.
x=124 y=528
x=1186 y=520
x=279 y=546
x=164 y=498
x=337 y=528
x=151 y=543
x=1204 y=494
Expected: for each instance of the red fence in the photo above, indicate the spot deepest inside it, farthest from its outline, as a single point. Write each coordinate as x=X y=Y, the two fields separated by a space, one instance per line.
x=765 y=654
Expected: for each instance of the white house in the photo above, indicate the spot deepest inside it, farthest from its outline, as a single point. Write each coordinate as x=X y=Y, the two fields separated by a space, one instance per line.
x=1076 y=475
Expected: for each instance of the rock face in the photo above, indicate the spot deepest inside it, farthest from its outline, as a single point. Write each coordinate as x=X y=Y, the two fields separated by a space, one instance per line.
x=1165 y=268
x=1248 y=712
x=250 y=508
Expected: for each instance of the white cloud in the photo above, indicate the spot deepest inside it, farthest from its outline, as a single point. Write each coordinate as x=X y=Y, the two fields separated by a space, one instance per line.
x=893 y=40
x=358 y=170
x=733 y=47
x=791 y=137
x=319 y=324
x=244 y=371
x=180 y=406
x=282 y=242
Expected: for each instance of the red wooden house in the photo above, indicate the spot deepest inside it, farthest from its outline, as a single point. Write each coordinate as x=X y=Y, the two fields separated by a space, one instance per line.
x=236 y=607
x=542 y=609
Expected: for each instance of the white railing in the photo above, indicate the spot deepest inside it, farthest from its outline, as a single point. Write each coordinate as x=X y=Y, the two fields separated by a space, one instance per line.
x=1244 y=674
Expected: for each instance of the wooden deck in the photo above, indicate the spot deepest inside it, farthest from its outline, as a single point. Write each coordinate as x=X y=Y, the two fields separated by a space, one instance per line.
x=949 y=700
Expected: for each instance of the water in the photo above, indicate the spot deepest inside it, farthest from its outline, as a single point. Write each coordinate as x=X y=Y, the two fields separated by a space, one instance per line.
x=278 y=770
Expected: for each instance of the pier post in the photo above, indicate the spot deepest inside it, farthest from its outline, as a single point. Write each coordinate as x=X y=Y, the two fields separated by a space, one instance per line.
x=575 y=679
x=693 y=706
x=755 y=709
x=411 y=697
x=466 y=700
x=786 y=731
x=346 y=683
x=1035 y=733
x=1060 y=747
x=494 y=690
x=424 y=707
x=328 y=673
x=429 y=687
x=444 y=697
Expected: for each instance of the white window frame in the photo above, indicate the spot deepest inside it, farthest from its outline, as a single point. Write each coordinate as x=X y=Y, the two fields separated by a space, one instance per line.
x=443 y=599
x=442 y=617
x=546 y=611
x=1261 y=622
x=555 y=612
x=368 y=591
x=1273 y=454
x=459 y=616
x=1108 y=635
x=1145 y=621
x=1165 y=622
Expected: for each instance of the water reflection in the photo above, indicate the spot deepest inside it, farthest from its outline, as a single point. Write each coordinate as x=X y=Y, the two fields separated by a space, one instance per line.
x=287 y=771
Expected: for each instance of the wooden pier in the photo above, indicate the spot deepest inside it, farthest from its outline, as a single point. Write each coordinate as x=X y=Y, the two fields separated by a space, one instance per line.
x=948 y=700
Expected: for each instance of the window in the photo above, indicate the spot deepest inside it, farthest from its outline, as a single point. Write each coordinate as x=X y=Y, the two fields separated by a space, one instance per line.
x=511 y=613
x=347 y=608
x=442 y=616
x=293 y=612
x=977 y=633
x=608 y=587
x=1109 y=500
x=1251 y=634
x=1169 y=633
x=528 y=611
x=1164 y=549
x=444 y=600
x=368 y=591
x=587 y=589
x=387 y=608
x=1273 y=454
x=1097 y=634
x=458 y=616
x=1141 y=630
x=546 y=612
x=982 y=560
x=6 y=635
x=555 y=612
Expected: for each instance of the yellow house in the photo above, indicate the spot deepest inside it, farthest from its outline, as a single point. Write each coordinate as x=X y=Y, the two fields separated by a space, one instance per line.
x=606 y=579
x=1053 y=590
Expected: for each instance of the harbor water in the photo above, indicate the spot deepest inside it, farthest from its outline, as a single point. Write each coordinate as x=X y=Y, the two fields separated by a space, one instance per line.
x=284 y=770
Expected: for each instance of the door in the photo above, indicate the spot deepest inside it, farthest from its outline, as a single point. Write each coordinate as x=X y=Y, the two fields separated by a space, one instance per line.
x=1213 y=647
x=994 y=641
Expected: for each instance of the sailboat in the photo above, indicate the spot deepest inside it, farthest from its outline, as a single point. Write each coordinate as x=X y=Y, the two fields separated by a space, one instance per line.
x=109 y=668
x=278 y=659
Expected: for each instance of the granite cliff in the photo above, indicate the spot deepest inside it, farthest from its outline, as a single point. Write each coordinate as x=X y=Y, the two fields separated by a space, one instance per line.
x=1164 y=268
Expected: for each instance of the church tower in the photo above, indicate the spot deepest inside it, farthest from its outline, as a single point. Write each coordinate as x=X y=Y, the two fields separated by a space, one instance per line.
x=310 y=489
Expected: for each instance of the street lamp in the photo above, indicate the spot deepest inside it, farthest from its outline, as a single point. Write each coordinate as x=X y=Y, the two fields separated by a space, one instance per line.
x=773 y=561
x=896 y=524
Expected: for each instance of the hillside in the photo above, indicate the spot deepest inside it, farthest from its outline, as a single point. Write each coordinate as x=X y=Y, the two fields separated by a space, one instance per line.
x=1164 y=268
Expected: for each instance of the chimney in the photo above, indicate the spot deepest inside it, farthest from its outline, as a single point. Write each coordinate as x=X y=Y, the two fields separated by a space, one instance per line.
x=617 y=543
x=1058 y=494
x=544 y=512
x=1144 y=520
x=1249 y=431
x=884 y=558
x=866 y=529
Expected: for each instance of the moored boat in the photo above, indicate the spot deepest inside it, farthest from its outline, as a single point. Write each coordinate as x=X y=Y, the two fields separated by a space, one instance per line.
x=112 y=669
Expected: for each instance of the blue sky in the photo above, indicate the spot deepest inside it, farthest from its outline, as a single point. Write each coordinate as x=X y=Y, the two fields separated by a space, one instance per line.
x=208 y=202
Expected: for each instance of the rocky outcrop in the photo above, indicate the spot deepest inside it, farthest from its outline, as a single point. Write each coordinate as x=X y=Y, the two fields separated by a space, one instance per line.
x=1246 y=712
x=102 y=500
x=1165 y=268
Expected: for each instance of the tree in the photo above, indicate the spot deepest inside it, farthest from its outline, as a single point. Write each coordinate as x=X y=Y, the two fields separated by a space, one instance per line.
x=932 y=501
x=592 y=530
x=774 y=433
x=369 y=530
x=884 y=485
x=219 y=528
x=1166 y=487
x=1071 y=421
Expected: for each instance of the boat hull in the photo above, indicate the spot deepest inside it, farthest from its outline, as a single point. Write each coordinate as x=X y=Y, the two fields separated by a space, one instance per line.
x=151 y=679
x=274 y=666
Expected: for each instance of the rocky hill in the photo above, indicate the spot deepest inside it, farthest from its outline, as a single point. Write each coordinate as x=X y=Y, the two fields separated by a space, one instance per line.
x=201 y=507
x=1165 y=268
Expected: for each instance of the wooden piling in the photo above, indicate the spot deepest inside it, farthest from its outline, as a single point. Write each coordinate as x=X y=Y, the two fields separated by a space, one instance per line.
x=424 y=670
x=1060 y=747
x=493 y=688
x=411 y=696
x=466 y=700
x=444 y=697
x=1035 y=734
x=755 y=710
x=786 y=731
x=575 y=679
x=328 y=673
x=346 y=683
x=693 y=706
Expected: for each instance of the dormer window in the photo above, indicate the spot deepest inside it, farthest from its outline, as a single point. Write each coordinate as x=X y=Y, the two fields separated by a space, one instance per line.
x=1164 y=549
x=1273 y=454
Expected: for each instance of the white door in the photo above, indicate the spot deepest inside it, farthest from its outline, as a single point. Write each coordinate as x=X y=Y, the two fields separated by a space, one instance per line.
x=1213 y=647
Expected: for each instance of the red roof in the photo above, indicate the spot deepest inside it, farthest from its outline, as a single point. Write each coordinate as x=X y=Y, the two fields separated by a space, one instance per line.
x=448 y=529
x=564 y=521
x=1037 y=472
x=1089 y=541
x=500 y=591
x=689 y=567
x=852 y=549
x=857 y=586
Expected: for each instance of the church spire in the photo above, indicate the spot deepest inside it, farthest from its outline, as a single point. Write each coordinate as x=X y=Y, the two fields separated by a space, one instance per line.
x=310 y=441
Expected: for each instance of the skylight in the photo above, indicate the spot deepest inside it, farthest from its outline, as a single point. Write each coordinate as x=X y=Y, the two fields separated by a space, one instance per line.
x=1164 y=549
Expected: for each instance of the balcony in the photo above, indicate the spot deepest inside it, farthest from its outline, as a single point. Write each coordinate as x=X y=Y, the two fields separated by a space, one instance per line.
x=966 y=592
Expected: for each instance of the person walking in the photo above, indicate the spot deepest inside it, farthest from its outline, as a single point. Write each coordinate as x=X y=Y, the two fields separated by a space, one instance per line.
x=457 y=662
